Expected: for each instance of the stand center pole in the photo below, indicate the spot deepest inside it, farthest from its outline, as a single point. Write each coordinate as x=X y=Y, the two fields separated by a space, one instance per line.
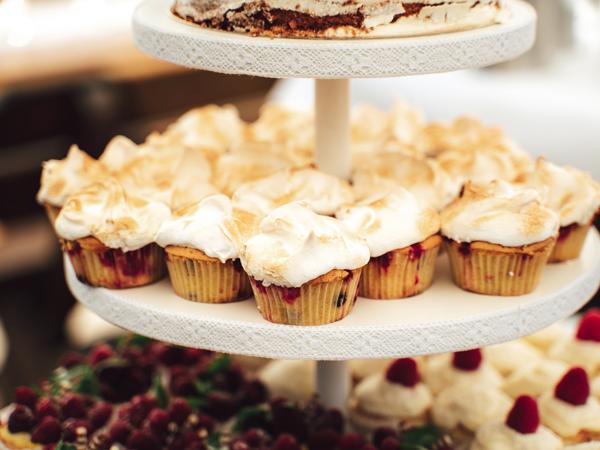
x=332 y=118
x=333 y=383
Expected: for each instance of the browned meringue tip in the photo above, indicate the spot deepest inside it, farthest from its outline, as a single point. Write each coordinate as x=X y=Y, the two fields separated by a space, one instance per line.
x=324 y=300
x=200 y=278
x=493 y=269
x=101 y=266
x=401 y=273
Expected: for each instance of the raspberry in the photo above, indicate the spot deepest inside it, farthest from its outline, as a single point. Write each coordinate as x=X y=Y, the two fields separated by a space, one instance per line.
x=100 y=414
x=71 y=359
x=158 y=421
x=179 y=410
x=524 y=416
x=589 y=327
x=45 y=408
x=403 y=371
x=231 y=380
x=20 y=420
x=253 y=393
x=73 y=427
x=289 y=419
x=574 y=387
x=381 y=433
x=182 y=385
x=468 y=361
x=390 y=443
x=142 y=440
x=100 y=353
x=256 y=437
x=204 y=422
x=137 y=410
x=25 y=396
x=73 y=407
x=239 y=444
x=324 y=440
x=352 y=441
x=221 y=405
x=47 y=432
x=368 y=447
x=286 y=442
x=119 y=432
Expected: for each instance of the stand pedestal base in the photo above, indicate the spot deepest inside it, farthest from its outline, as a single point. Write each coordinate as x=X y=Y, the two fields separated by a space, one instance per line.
x=333 y=383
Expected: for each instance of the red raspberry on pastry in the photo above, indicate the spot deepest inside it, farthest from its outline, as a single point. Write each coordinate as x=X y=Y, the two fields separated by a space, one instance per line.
x=589 y=327
x=524 y=416
x=574 y=387
x=468 y=360
x=403 y=371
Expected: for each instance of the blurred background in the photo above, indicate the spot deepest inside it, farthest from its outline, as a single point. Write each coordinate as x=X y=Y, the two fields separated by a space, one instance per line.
x=69 y=73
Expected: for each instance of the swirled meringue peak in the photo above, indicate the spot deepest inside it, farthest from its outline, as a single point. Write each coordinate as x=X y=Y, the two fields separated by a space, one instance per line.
x=499 y=213
x=294 y=245
x=571 y=193
x=391 y=221
x=64 y=177
x=117 y=219
x=382 y=172
x=208 y=226
x=119 y=152
x=321 y=192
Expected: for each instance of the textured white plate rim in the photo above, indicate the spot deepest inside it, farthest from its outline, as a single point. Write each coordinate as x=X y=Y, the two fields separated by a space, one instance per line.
x=164 y=36
x=156 y=312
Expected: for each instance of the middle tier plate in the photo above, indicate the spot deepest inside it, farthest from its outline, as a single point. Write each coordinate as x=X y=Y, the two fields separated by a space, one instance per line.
x=444 y=318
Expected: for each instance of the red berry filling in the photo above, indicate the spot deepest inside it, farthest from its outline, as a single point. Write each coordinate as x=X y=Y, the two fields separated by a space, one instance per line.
x=524 y=416
x=589 y=327
x=469 y=360
x=403 y=371
x=574 y=387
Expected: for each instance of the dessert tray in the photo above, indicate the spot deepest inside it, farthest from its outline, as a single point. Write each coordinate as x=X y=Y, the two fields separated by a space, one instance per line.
x=443 y=318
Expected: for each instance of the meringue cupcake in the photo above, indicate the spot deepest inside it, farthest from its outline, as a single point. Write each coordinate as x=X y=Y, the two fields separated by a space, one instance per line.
x=321 y=192
x=510 y=356
x=520 y=431
x=109 y=236
x=403 y=238
x=534 y=378
x=570 y=411
x=304 y=268
x=201 y=246
x=443 y=370
x=396 y=398
x=582 y=349
x=64 y=177
x=498 y=238
x=574 y=196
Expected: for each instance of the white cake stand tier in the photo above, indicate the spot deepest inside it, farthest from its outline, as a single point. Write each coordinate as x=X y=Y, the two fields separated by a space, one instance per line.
x=444 y=318
x=160 y=34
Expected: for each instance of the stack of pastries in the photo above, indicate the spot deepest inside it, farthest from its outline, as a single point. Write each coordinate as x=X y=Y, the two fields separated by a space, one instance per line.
x=233 y=209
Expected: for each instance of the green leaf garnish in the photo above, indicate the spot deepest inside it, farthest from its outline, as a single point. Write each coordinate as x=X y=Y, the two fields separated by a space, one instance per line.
x=162 y=397
x=246 y=413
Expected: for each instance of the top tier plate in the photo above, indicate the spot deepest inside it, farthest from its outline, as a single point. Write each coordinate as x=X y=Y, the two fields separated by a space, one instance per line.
x=160 y=34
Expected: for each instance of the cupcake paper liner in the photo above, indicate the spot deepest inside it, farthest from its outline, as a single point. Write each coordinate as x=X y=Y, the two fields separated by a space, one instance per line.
x=101 y=266
x=496 y=270
x=317 y=302
x=570 y=242
x=401 y=273
x=207 y=281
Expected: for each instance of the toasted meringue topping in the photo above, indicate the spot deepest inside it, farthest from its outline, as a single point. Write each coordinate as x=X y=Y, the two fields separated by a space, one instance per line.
x=377 y=173
x=321 y=192
x=568 y=420
x=64 y=177
x=571 y=193
x=376 y=395
x=119 y=152
x=117 y=219
x=498 y=436
x=500 y=213
x=295 y=245
x=390 y=222
x=208 y=226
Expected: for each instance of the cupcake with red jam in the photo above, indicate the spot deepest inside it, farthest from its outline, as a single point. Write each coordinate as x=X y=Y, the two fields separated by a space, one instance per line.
x=441 y=371
x=583 y=349
x=304 y=268
x=64 y=177
x=574 y=196
x=570 y=410
x=201 y=246
x=391 y=399
x=520 y=431
x=403 y=238
x=499 y=238
x=109 y=236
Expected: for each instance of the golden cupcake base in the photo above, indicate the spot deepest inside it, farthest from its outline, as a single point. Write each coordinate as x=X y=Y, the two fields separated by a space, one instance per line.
x=494 y=269
x=401 y=273
x=198 y=277
x=98 y=265
x=569 y=243
x=325 y=299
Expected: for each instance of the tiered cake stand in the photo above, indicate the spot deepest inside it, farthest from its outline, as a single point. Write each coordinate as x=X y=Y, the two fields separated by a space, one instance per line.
x=444 y=318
